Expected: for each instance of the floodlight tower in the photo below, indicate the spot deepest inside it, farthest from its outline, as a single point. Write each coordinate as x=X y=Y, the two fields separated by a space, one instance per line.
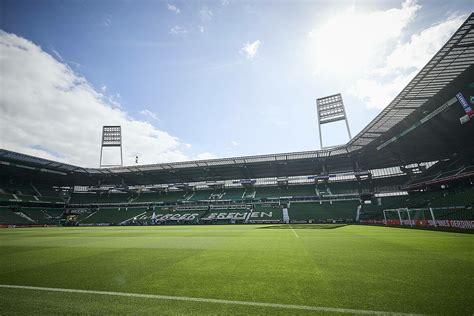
x=331 y=109
x=111 y=137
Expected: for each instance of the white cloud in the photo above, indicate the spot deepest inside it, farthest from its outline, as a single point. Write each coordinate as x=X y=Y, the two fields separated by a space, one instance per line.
x=377 y=93
x=205 y=156
x=206 y=14
x=149 y=113
x=415 y=53
x=370 y=49
x=173 y=8
x=350 y=42
x=234 y=143
x=187 y=145
x=49 y=111
x=225 y=2
x=178 y=30
x=58 y=55
x=201 y=28
x=107 y=22
x=403 y=63
x=250 y=49
x=103 y=88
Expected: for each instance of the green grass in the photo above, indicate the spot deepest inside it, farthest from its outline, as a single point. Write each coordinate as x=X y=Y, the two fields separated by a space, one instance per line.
x=352 y=267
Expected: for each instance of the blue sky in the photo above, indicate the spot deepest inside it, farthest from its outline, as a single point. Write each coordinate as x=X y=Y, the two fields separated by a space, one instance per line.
x=212 y=79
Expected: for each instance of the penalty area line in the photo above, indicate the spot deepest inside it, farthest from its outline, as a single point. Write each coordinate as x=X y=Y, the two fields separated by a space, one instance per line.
x=204 y=300
x=294 y=232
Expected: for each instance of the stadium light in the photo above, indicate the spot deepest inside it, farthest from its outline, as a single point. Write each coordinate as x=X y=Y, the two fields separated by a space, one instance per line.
x=331 y=109
x=111 y=137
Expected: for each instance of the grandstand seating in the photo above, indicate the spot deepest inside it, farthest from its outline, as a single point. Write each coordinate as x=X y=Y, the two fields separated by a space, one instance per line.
x=46 y=190
x=97 y=198
x=42 y=215
x=200 y=195
x=443 y=198
x=298 y=190
x=374 y=210
x=28 y=193
x=338 y=200
x=265 y=213
x=83 y=198
x=259 y=214
x=249 y=193
x=339 y=188
x=454 y=214
x=389 y=183
x=5 y=197
x=446 y=204
x=79 y=214
x=226 y=215
x=324 y=211
x=12 y=217
x=18 y=188
x=178 y=215
x=434 y=199
x=55 y=212
x=421 y=214
x=27 y=198
x=442 y=170
x=112 y=215
x=281 y=192
x=462 y=198
x=51 y=199
x=268 y=192
x=216 y=195
x=233 y=194
x=394 y=201
x=170 y=196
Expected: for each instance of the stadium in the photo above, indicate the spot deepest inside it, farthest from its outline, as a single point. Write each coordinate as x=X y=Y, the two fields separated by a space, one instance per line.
x=379 y=225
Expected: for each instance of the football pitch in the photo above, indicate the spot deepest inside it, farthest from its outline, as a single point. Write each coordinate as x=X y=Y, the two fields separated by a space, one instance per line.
x=236 y=269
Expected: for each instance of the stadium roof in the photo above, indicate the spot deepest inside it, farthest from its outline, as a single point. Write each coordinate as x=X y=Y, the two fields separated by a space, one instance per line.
x=453 y=59
x=423 y=106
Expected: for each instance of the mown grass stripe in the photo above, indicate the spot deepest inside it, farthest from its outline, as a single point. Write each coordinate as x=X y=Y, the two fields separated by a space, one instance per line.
x=205 y=300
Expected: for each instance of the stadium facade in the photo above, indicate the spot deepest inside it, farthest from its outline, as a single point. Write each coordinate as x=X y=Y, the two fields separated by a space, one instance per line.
x=412 y=165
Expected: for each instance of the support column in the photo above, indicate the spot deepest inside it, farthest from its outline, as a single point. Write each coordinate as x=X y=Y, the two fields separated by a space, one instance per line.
x=409 y=218
x=320 y=136
x=433 y=217
x=348 y=130
x=331 y=109
x=286 y=217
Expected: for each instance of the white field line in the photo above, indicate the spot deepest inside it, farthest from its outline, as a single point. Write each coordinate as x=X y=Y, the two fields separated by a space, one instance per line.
x=87 y=216
x=294 y=232
x=205 y=300
x=131 y=218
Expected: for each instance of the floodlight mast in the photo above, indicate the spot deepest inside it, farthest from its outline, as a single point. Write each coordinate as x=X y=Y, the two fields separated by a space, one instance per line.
x=111 y=137
x=331 y=109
